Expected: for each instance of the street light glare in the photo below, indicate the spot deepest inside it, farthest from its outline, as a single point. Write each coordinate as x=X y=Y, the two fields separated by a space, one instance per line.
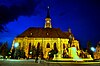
x=49 y=53
x=93 y=49
x=16 y=44
x=30 y=52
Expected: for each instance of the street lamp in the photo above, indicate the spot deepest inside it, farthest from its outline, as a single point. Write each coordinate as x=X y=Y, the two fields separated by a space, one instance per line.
x=30 y=52
x=16 y=44
x=49 y=53
x=93 y=49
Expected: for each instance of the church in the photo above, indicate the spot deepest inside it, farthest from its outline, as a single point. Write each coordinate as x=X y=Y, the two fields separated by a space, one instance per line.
x=46 y=37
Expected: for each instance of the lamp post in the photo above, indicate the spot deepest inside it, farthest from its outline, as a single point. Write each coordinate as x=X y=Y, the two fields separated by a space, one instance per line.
x=16 y=44
x=30 y=54
x=93 y=50
x=9 y=54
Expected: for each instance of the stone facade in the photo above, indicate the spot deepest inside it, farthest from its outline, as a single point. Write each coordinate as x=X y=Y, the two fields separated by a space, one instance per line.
x=24 y=42
x=97 y=53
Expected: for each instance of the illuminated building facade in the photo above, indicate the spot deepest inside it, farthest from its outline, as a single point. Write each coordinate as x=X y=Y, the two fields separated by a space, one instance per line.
x=97 y=53
x=46 y=37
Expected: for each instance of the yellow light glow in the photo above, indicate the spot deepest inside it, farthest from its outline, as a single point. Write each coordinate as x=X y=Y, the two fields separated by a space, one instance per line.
x=48 y=21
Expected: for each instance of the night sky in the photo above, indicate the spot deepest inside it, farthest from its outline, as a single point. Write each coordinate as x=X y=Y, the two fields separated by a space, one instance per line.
x=82 y=16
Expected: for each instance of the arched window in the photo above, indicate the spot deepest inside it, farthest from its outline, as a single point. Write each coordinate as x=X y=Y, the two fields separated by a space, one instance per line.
x=29 y=45
x=38 y=45
x=63 y=46
x=55 y=46
x=48 y=45
x=29 y=48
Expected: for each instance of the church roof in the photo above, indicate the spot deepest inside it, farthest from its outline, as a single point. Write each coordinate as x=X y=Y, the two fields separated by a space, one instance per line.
x=43 y=33
x=68 y=34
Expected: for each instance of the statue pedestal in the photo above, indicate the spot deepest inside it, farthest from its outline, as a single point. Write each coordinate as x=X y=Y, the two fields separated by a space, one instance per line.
x=58 y=56
x=89 y=56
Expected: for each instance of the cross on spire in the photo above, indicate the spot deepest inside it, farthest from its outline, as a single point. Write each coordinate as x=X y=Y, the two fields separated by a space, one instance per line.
x=48 y=12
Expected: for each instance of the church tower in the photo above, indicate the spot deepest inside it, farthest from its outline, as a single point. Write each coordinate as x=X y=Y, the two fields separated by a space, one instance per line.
x=69 y=30
x=48 y=20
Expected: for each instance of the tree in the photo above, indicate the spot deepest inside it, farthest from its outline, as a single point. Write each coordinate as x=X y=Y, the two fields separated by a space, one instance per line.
x=22 y=53
x=55 y=48
x=41 y=52
x=4 y=49
x=12 y=54
x=51 y=53
x=0 y=47
x=37 y=51
x=17 y=53
x=33 y=51
x=89 y=45
x=29 y=48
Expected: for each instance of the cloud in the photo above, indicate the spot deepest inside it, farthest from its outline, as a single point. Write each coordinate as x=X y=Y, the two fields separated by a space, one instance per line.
x=11 y=13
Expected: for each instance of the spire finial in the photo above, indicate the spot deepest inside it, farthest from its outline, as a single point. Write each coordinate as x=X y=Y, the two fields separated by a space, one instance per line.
x=48 y=19
x=48 y=7
x=48 y=12
x=69 y=30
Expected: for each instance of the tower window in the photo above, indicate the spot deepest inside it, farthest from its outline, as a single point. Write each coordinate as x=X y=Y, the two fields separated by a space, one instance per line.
x=48 y=21
x=47 y=33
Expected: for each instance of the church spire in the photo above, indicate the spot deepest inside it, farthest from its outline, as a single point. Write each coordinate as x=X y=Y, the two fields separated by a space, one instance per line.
x=69 y=30
x=48 y=13
x=48 y=20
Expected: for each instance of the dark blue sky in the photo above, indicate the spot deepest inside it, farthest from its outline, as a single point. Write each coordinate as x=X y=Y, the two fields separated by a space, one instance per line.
x=82 y=16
